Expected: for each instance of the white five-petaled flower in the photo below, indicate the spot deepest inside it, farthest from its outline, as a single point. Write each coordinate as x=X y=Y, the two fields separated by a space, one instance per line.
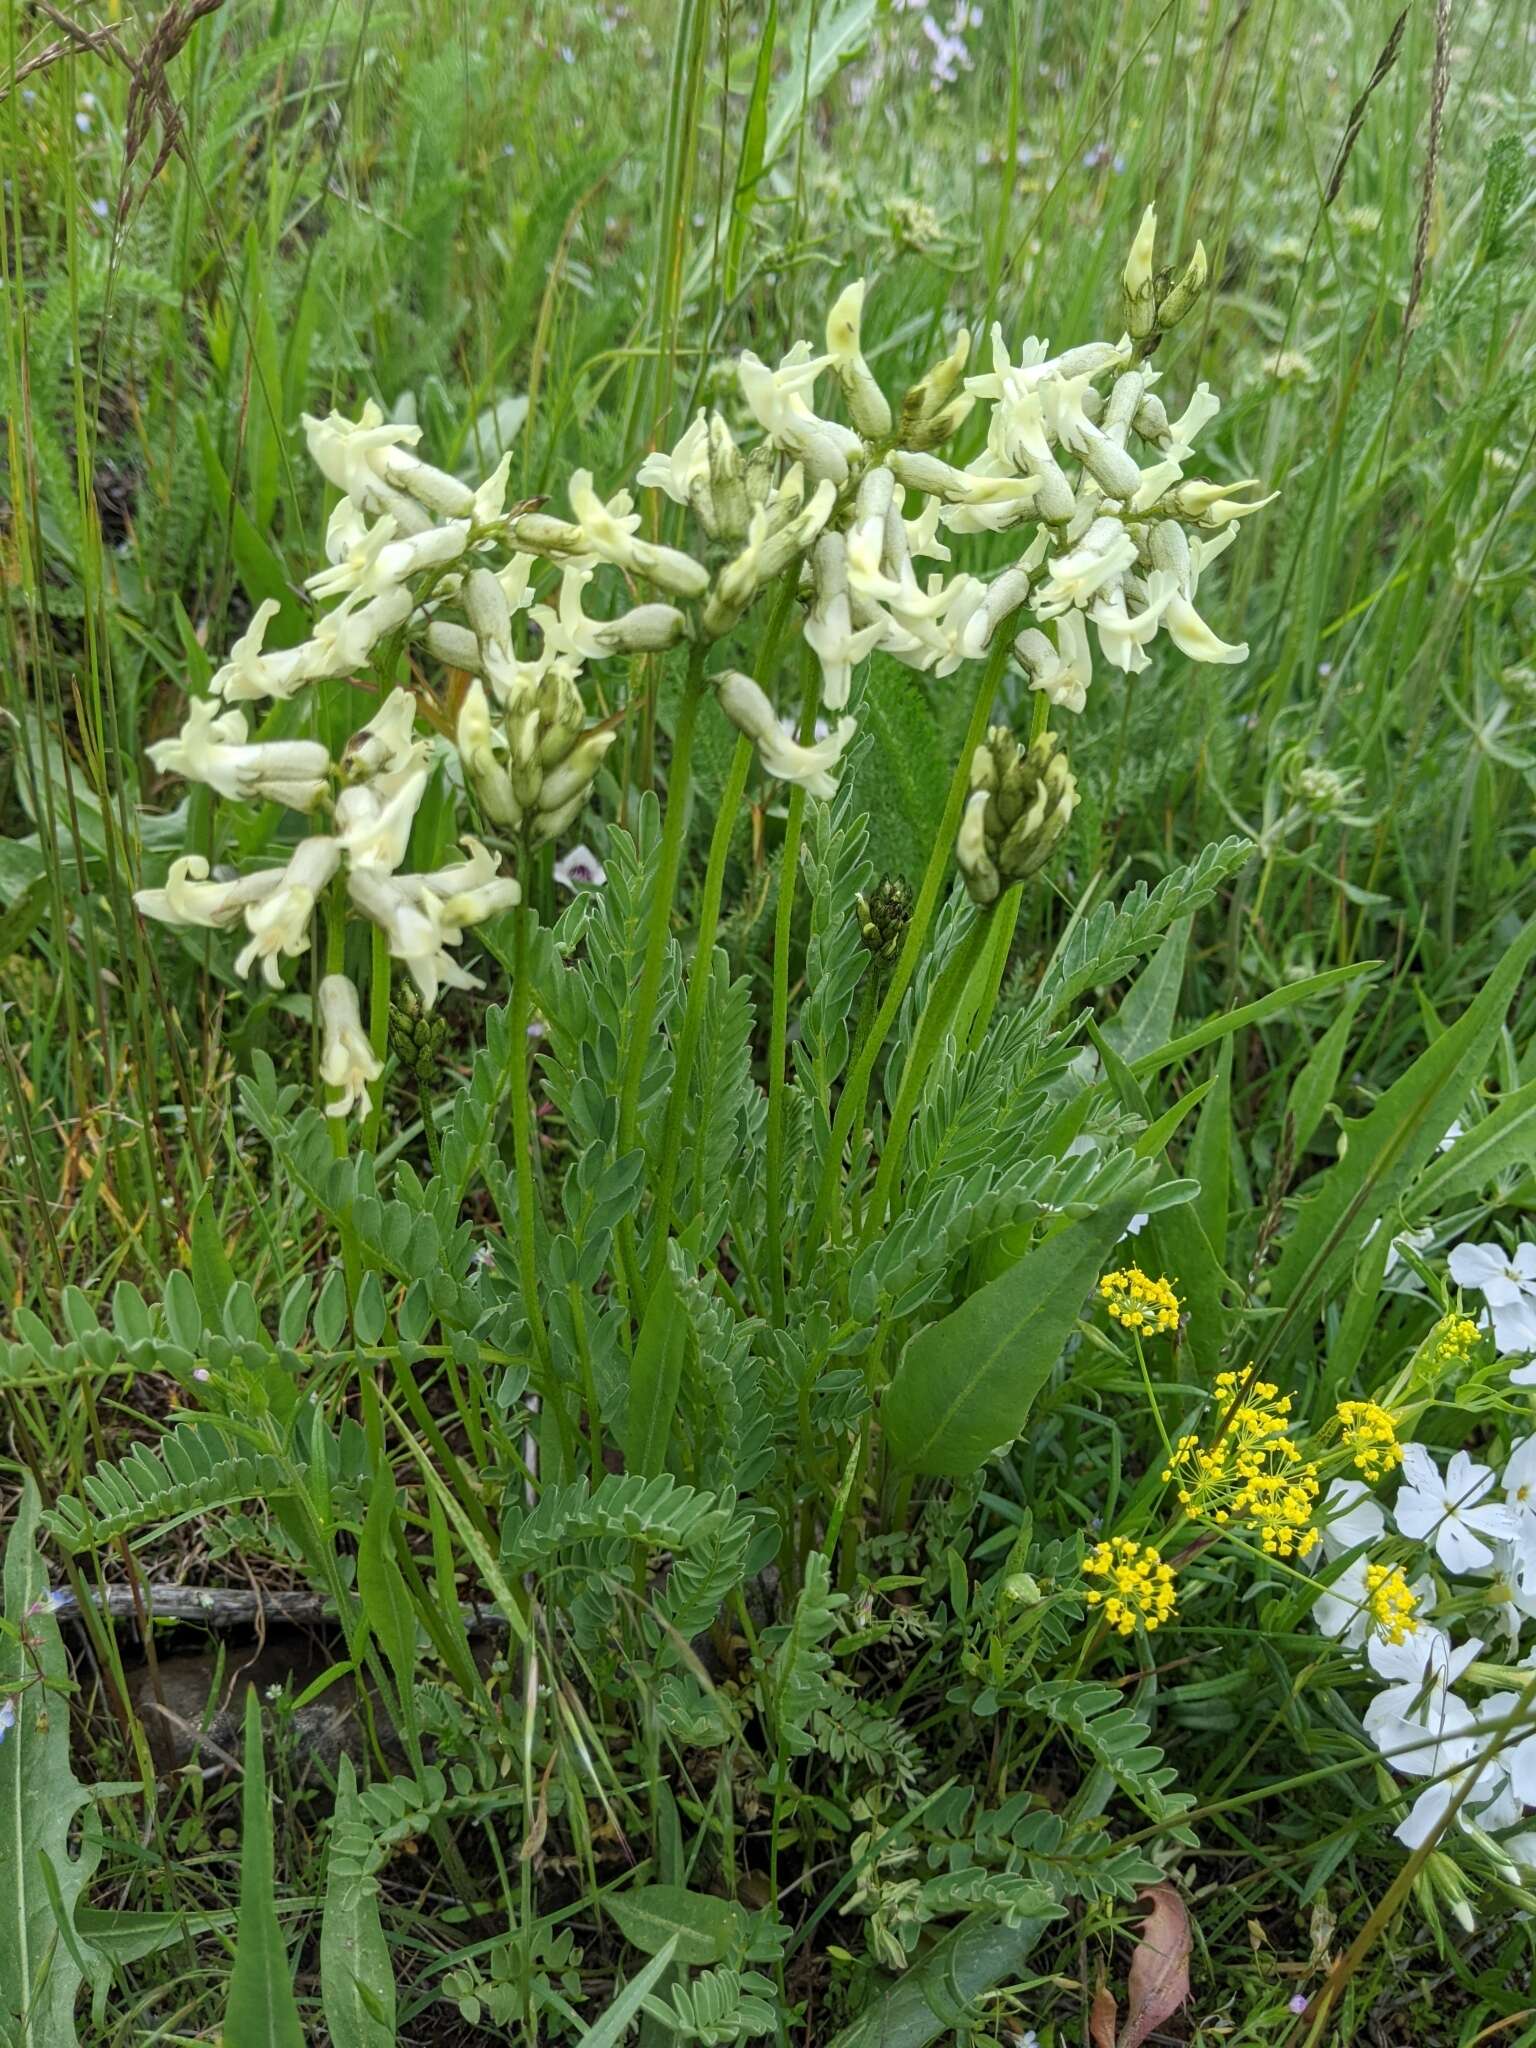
x=1454 y=1513
x=776 y=398
x=376 y=559
x=1507 y=1283
x=1350 y=1516
x=347 y=1059
x=1349 y=1519
x=354 y=454
x=580 y=869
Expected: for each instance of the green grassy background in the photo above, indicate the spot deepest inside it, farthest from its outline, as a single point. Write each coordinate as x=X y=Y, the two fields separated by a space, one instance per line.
x=453 y=207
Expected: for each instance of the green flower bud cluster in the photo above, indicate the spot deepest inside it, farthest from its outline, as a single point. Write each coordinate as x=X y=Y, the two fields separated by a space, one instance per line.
x=884 y=915
x=1157 y=300
x=1021 y=802
x=935 y=407
x=416 y=1034
x=531 y=766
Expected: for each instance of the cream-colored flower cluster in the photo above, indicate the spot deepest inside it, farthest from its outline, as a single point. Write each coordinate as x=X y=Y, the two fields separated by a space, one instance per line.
x=416 y=558
x=1113 y=539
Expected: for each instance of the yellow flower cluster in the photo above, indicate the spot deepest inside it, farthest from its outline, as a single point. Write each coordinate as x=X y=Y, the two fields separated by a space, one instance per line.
x=1139 y=1303
x=1252 y=1475
x=1139 y=1586
x=1452 y=1340
x=1370 y=1437
x=1392 y=1607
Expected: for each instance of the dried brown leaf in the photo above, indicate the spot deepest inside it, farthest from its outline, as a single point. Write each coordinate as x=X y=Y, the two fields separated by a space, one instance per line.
x=1103 y=2018
x=1159 y=1979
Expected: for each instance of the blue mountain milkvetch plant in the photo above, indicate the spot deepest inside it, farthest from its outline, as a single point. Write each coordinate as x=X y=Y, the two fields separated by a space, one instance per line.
x=417 y=559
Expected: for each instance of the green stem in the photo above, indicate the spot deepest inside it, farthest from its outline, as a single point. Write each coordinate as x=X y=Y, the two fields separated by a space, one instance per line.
x=654 y=965
x=789 y=875
x=429 y=1124
x=699 y=979
x=378 y=1031
x=1005 y=922
x=522 y=1144
x=854 y=1090
x=928 y=1038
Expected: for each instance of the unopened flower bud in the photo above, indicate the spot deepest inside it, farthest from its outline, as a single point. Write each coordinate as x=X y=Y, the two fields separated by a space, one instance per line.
x=644 y=630
x=573 y=777
x=1140 y=295
x=538 y=533
x=1173 y=305
x=416 y=1035
x=933 y=398
x=455 y=645
x=941 y=426
x=868 y=406
x=884 y=916
x=1021 y=803
x=489 y=613
x=730 y=507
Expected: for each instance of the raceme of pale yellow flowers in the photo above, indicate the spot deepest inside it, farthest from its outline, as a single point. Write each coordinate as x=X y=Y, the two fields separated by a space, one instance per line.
x=1370 y=1436
x=1251 y=1475
x=420 y=561
x=1138 y=1587
x=1391 y=1603
x=1148 y=1307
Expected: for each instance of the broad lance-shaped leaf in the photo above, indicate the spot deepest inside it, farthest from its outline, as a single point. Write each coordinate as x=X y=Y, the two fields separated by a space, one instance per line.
x=938 y=1994
x=39 y=1799
x=261 y=2012
x=357 y=1984
x=1386 y=1149
x=965 y=1384
x=696 y=1927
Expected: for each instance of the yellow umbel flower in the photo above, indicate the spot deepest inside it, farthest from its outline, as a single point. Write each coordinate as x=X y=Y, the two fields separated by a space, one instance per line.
x=1252 y=1474
x=1138 y=1586
x=1140 y=1303
x=1452 y=1339
x=1370 y=1437
x=1390 y=1603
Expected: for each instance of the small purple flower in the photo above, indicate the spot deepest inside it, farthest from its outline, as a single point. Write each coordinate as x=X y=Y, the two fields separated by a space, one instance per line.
x=1298 y=2002
x=101 y=209
x=201 y=1373
x=580 y=869
x=7 y=1717
x=83 y=123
